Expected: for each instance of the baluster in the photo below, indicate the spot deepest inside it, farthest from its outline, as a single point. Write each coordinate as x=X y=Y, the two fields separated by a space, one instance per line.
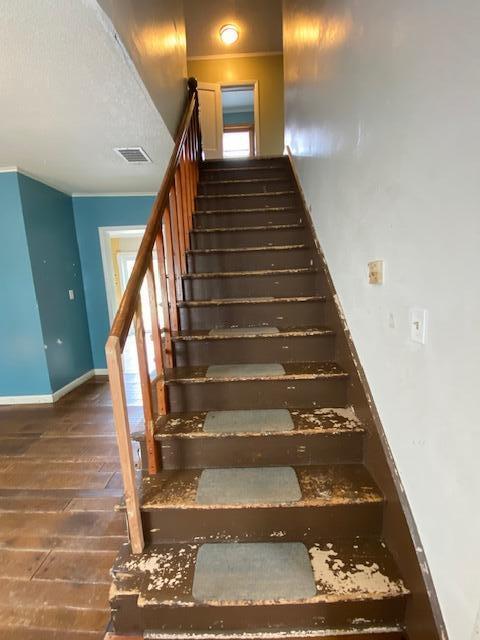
x=171 y=280
x=165 y=297
x=146 y=388
x=182 y=209
x=122 y=429
x=188 y=153
x=193 y=181
x=199 y=130
x=156 y=335
x=178 y=231
x=174 y=264
x=156 y=329
x=196 y=154
x=178 y=244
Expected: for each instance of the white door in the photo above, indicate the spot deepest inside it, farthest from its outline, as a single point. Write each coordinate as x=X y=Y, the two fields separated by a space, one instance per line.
x=211 y=118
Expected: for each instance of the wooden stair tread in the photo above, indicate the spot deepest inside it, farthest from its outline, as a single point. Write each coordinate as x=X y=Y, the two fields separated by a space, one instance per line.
x=272 y=227
x=344 y=571
x=275 y=247
x=321 y=485
x=239 y=274
x=242 y=181
x=293 y=371
x=261 y=194
x=282 y=333
x=261 y=166
x=254 y=210
x=364 y=632
x=257 y=300
x=329 y=421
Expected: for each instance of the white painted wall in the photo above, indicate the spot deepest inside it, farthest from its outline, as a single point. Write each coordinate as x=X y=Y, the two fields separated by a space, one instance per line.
x=383 y=116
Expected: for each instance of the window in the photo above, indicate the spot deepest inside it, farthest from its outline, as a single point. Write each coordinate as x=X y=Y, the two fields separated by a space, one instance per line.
x=238 y=142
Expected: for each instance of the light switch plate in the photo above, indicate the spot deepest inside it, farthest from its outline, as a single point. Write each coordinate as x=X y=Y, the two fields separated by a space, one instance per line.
x=418 y=325
x=71 y=294
x=375 y=272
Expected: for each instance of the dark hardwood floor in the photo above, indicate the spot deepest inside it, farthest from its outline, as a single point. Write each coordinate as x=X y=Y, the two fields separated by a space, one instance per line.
x=59 y=533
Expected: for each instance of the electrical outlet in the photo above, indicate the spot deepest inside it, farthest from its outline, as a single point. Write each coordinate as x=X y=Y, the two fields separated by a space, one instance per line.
x=375 y=272
x=418 y=325
x=71 y=294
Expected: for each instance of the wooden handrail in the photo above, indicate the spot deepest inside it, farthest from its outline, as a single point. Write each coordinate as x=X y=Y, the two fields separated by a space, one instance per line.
x=160 y=264
x=126 y=309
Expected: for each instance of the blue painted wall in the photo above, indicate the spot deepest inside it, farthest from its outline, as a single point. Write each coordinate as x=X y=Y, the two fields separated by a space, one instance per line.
x=241 y=117
x=55 y=264
x=23 y=365
x=91 y=213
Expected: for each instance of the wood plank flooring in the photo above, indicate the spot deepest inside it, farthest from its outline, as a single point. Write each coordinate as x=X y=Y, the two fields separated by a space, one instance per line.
x=59 y=533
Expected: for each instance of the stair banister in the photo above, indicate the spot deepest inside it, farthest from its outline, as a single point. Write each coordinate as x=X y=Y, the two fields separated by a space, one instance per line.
x=167 y=235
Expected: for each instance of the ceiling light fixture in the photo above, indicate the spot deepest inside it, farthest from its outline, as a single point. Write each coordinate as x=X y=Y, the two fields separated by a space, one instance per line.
x=229 y=33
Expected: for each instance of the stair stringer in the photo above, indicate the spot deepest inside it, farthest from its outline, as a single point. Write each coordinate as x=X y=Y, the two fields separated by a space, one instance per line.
x=423 y=617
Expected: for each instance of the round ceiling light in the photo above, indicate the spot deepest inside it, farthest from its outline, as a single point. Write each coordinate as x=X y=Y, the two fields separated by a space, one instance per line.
x=229 y=33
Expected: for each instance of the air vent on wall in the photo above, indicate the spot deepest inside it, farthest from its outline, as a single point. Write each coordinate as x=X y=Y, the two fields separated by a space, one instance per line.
x=132 y=154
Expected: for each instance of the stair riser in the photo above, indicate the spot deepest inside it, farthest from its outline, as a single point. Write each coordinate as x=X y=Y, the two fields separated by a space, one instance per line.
x=253 y=201
x=128 y=618
x=241 y=174
x=247 y=219
x=250 y=286
x=250 y=524
x=280 y=162
x=250 y=350
x=254 y=238
x=203 y=452
x=257 y=394
x=249 y=261
x=278 y=314
x=241 y=188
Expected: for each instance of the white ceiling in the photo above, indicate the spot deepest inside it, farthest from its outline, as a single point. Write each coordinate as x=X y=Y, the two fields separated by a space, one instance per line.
x=260 y=23
x=69 y=95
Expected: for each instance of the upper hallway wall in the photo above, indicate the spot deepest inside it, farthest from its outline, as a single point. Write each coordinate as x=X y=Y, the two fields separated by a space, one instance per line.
x=154 y=35
x=382 y=115
x=268 y=71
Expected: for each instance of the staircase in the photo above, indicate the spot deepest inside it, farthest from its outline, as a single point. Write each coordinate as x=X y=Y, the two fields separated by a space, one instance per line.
x=260 y=522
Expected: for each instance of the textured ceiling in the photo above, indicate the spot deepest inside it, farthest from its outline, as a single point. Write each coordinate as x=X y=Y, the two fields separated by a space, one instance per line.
x=260 y=23
x=69 y=95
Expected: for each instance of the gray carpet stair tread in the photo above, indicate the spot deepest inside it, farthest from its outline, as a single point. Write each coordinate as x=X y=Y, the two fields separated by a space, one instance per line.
x=259 y=485
x=248 y=421
x=244 y=370
x=253 y=572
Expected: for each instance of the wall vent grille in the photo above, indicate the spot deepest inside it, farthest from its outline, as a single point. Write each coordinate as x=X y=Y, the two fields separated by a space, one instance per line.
x=132 y=155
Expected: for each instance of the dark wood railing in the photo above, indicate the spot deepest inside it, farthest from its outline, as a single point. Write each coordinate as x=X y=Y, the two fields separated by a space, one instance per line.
x=167 y=237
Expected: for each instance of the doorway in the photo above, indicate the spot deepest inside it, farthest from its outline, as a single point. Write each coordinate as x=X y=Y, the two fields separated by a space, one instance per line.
x=119 y=247
x=229 y=117
x=238 y=110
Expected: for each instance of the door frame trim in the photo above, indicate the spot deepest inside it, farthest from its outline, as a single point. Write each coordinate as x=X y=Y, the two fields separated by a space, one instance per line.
x=105 y=236
x=256 y=107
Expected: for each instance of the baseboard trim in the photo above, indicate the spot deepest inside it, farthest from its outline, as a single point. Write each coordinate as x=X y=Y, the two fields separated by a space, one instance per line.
x=72 y=385
x=51 y=398
x=40 y=399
